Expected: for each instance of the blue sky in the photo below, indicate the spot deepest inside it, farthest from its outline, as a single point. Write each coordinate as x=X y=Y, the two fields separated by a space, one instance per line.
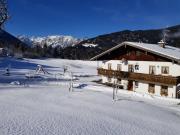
x=89 y=18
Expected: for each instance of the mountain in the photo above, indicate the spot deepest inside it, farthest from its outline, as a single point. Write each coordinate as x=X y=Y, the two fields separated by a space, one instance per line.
x=93 y=46
x=54 y=41
x=11 y=43
x=72 y=48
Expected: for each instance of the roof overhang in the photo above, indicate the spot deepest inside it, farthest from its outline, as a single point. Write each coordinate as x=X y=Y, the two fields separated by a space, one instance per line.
x=110 y=50
x=141 y=48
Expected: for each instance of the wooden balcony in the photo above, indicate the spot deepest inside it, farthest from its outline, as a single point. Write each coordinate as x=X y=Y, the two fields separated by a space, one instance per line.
x=156 y=79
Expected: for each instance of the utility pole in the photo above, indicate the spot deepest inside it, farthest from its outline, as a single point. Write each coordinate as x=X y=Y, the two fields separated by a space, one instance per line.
x=3 y=12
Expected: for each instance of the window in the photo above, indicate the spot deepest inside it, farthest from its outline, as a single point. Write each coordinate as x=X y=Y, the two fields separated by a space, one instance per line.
x=152 y=70
x=109 y=79
x=165 y=70
x=151 y=88
x=109 y=66
x=136 y=84
x=138 y=53
x=130 y=68
x=128 y=53
x=164 y=90
x=136 y=67
x=118 y=67
x=118 y=81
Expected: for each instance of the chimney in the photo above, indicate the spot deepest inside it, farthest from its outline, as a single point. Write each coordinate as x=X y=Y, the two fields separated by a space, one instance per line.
x=162 y=43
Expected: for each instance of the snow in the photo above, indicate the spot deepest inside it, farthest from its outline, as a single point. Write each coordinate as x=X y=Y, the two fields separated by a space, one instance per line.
x=168 y=50
x=89 y=45
x=54 y=41
x=45 y=106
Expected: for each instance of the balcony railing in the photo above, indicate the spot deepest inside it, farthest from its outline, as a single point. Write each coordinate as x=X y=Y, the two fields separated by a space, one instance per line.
x=166 y=80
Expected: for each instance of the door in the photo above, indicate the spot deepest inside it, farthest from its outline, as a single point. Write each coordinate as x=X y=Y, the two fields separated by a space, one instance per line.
x=130 y=85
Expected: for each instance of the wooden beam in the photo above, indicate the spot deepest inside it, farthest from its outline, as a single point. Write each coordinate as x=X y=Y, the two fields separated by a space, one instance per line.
x=156 y=79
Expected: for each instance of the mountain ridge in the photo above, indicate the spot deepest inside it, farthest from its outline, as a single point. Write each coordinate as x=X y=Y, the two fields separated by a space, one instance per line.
x=53 y=40
x=107 y=41
x=68 y=47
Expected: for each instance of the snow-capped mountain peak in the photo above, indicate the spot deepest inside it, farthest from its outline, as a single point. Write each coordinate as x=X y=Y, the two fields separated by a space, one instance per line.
x=54 y=41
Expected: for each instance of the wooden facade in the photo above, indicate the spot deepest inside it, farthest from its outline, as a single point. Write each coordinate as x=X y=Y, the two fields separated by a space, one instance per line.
x=156 y=79
x=132 y=53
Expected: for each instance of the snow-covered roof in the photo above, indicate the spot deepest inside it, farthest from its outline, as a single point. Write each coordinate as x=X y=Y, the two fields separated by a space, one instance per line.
x=168 y=52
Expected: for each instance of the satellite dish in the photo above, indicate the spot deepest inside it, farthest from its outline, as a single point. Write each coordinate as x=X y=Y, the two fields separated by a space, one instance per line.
x=3 y=12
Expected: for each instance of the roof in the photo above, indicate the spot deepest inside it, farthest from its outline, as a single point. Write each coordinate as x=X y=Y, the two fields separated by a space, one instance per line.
x=168 y=52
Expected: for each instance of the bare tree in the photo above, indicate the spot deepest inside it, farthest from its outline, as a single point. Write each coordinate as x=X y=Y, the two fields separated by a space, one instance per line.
x=3 y=12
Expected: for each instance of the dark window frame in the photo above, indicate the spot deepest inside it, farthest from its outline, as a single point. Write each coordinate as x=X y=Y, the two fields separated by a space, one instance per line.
x=151 y=88
x=166 y=68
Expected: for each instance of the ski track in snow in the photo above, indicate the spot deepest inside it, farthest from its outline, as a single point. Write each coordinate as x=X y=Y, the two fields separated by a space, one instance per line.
x=49 y=109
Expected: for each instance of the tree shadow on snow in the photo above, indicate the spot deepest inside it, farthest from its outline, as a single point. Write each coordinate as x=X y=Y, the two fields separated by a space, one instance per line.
x=19 y=64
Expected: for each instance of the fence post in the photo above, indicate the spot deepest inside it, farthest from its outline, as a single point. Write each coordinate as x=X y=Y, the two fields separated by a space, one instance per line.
x=71 y=83
x=114 y=91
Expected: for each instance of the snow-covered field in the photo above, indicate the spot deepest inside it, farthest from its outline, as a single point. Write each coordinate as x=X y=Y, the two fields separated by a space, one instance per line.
x=44 y=106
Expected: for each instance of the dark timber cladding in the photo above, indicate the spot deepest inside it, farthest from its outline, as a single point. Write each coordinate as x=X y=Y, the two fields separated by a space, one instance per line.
x=156 y=79
x=132 y=53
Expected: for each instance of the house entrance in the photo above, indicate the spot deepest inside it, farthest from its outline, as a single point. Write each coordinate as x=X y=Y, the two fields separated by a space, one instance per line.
x=130 y=85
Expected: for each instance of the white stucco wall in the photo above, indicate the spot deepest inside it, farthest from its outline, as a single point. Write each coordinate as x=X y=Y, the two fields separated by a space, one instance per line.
x=143 y=87
x=174 y=70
